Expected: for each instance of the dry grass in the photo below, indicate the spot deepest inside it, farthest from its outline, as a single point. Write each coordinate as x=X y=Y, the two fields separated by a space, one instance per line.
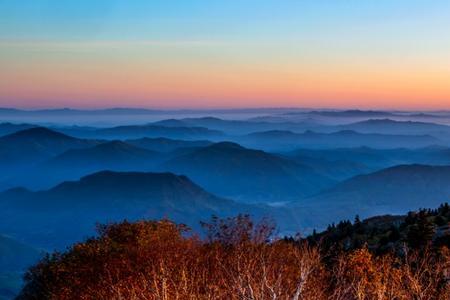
x=156 y=260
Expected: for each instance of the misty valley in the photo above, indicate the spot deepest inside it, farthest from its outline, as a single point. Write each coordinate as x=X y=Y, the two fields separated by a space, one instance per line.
x=304 y=170
x=224 y=150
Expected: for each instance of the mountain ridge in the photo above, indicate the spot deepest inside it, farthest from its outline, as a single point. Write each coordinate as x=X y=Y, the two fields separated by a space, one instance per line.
x=70 y=210
x=248 y=173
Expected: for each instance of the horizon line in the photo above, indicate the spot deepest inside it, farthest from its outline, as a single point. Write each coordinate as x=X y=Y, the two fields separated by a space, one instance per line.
x=175 y=109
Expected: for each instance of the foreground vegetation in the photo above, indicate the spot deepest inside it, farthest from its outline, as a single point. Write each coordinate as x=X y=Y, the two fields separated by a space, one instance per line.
x=237 y=259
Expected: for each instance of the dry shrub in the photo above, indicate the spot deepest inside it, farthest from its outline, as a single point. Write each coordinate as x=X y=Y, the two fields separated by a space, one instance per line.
x=418 y=275
x=158 y=260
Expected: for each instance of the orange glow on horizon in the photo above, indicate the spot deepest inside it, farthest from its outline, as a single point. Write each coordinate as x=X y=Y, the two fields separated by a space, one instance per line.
x=61 y=78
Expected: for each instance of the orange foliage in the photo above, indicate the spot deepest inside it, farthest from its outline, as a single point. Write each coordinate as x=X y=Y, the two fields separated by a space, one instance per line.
x=158 y=260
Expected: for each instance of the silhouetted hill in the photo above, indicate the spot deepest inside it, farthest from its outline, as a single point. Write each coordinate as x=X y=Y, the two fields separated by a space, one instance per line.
x=376 y=159
x=114 y=154
x=75 y=163
x=171 y=123
x=378 y=123
x=415 y=183
x=147 y=131
x=352 y=113
x=51 y=141
x=288 y=140
x=389 y=191
x=337 y=169
x=30 y=146
x=238 y=127
x=231 y=170
x=388 y=126
x=166 y=145
x=69 y=211
x=9 y=128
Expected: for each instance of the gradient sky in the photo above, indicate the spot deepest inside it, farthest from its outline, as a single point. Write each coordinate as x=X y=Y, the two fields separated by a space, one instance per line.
x=228 y=53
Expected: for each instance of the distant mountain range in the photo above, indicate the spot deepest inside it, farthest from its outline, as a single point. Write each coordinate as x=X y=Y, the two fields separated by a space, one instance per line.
x=114 y=154
x=69 y=211
x=333 y=167
x=304 y=169
x=75 y=163
x=349 y=113
x=399 y=187
x=310 y=177
x=339 y=117
x=130 y=111
x=356 y=113
x=277 y=140
x=374 y=159
x=74 y=112
x=388 y=126
x=9 y=128
x=143 y=131
x=250 y=175
x=231 y=170
x=283 y=135
x=27 y=147
x=236 y=127
x=268 y=178
x=165 y=144
x=373 y=125
x=392 y=190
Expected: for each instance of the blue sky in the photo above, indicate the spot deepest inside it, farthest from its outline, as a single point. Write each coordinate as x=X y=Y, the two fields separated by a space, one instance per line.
x=304 y=34
x=143 y=19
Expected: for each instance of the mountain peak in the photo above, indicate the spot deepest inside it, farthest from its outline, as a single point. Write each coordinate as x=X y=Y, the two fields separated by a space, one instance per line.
x=170 y=123
x=111 y=175
x=208 y=118
x=117 y=145
x=37 y=132
x=130 y=183
x=412 y=168
x=377 y=121
x=226 y=145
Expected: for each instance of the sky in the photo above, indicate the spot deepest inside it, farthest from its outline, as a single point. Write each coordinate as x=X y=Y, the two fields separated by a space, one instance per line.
x=225 y=54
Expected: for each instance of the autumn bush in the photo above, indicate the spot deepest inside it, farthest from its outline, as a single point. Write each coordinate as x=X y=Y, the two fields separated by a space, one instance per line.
x=237 y=259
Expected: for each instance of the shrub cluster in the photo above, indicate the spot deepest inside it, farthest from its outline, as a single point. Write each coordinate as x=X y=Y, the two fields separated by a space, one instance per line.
x=237 y=259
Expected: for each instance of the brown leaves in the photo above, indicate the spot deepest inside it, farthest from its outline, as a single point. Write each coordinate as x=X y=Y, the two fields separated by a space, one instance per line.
x=157 y=260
